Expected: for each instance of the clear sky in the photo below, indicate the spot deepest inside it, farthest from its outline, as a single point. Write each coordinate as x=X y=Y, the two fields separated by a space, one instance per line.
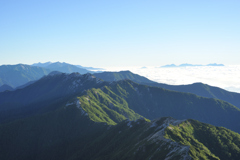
x=103 y=33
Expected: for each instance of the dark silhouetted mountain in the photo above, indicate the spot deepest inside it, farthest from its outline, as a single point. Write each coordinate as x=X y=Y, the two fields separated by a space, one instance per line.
x=16 y=75
x=49 y=87
x=68 y=133
x=199 y=89
x=31 y=82
x=25 y=85
x=57 y=134
x=163 y=138
x=5 y=88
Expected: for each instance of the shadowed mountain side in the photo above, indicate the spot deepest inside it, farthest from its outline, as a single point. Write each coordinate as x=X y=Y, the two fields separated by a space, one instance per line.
x=163 y=138
x=149 y=102
x=6 y=87
x=199 y=89
x=154 y=102
x=31 y=82
x=69 y=133
x=49 y=87
x=72 y=116
x=45 y=91
x=203 y=90
x=54 y=135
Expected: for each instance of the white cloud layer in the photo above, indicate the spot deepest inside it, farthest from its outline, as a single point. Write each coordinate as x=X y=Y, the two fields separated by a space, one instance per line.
x=227 y=77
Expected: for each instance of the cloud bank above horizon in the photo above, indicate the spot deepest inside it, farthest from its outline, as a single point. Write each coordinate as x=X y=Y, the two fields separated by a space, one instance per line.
x=226 y=77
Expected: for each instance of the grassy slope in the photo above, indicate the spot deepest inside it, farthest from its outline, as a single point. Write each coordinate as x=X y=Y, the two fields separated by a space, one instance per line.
x=205 y=140
x=153 y=102
x=66 y=132
x=145 y=140
x=109 y=108
x=199 y=89
x=128 y=141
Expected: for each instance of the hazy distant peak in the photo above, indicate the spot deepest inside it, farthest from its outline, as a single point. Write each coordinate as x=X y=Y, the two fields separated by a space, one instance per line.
x=191 y=65
x=169 y=65
x=39 y=64
x=215 y=64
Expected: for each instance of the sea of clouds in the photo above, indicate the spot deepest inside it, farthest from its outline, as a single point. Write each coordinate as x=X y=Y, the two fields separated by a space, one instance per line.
x=226 y=77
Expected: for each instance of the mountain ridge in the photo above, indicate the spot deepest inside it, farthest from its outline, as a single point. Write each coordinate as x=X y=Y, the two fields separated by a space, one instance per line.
x=83 y=117
x=199 y=89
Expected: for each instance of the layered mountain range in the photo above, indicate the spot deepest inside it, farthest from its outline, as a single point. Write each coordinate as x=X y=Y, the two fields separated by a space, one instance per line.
x=20 y=74
x=117 y=115
x=199 y=89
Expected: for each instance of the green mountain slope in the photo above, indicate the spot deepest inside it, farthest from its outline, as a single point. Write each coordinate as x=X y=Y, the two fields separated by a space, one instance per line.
x=149 y=102
x=199 y=89
x=47 y=90
x=163 y=138
x=49 y=87
x=73 y=116
x=204 y=138
x=67 y=125
x=154 y=102
x=108 y=108
x=69 y=133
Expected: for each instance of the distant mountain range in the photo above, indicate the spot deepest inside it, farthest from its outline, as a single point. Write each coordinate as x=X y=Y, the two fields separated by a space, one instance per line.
x=73 y=116
x=16 y=75
x=62 y=67
x=21 y=74
x=190 y=65
x=59 y=64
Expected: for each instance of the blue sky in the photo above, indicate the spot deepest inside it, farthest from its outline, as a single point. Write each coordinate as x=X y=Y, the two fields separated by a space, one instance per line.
x=120 y=33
